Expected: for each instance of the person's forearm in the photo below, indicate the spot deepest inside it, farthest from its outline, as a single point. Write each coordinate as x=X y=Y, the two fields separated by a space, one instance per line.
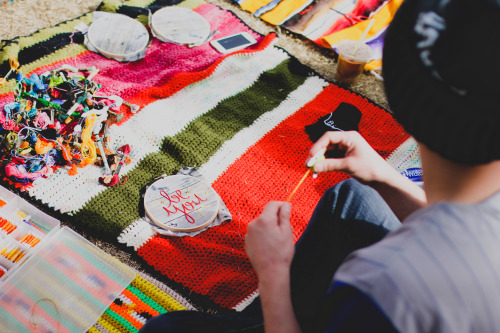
x=401 y=194
x=277 y=304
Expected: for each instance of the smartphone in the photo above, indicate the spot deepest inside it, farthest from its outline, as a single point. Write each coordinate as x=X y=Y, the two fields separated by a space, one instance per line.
x=233 y=43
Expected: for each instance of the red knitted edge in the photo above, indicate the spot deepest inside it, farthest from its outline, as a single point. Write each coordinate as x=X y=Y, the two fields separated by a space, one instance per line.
x=182 y=80
x=214 y=263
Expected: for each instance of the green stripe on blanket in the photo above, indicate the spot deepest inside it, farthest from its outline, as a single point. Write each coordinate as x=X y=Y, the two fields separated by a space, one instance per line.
x=114 y=209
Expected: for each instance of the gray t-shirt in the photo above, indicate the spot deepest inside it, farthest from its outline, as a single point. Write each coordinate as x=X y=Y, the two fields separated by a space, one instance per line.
x=438 y=272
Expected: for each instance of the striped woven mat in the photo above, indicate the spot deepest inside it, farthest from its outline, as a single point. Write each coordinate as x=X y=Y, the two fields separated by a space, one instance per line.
x=142 y=299
x=238 y=118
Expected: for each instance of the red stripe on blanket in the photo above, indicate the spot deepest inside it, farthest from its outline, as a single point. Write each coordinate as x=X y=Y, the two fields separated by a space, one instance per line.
x=163 y=61
x=214 y=263
x=182 y=80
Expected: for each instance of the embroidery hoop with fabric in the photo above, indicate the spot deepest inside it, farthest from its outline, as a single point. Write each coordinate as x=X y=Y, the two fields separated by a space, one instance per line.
x=179 y=25
x=181 y=203
x=117 y=36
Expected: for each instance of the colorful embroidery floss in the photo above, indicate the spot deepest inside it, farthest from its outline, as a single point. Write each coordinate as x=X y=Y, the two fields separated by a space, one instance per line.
x=42 y=129
x=13 y=252
x=30 y=240
x=3 y=270
x=7 y=226
x=115 y=179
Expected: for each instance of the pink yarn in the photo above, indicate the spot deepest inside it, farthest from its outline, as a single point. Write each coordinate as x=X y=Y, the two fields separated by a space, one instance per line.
x=109 y=102
x=11 y=170
x=2 y=117
x=113 y=180
x=42 y=120
x=163 y=60
x=9 y=125
x=6 y=98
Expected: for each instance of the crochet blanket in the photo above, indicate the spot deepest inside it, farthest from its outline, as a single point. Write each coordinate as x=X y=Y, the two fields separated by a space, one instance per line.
x=238 y=118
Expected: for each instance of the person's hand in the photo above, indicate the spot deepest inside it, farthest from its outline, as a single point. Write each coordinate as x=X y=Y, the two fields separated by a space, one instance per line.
x=269 y=245
x=269 y=241
x=358 y=159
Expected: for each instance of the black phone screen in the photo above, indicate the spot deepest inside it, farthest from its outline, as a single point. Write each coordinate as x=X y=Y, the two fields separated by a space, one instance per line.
x=233 y=41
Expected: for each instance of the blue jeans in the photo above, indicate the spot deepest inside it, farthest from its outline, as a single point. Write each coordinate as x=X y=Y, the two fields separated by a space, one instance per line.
x=348 y=217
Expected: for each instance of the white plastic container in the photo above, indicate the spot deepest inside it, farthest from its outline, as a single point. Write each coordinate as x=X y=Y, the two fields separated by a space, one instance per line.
x=63 y=284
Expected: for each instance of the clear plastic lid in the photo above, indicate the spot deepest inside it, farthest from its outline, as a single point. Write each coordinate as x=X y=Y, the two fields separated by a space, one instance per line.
x=64 y=287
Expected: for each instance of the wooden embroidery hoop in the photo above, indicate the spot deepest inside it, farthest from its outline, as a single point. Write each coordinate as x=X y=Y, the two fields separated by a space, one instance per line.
x=118 y=36
x=179 y=26
x=203 y=214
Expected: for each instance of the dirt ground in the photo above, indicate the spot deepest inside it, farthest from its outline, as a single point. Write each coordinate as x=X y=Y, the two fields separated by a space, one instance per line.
x=24 y=17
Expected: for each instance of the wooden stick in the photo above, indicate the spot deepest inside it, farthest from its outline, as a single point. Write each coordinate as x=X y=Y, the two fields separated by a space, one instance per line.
x=298 y=185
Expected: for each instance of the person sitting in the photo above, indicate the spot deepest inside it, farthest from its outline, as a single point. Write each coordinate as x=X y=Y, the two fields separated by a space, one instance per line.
x=357 y=268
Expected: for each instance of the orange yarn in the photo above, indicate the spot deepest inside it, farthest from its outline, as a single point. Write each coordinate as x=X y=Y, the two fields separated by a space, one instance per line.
x=73 y=171
x=43 y=146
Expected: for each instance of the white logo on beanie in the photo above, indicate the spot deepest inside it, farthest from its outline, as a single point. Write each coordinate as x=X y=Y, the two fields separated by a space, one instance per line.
x=429 y=26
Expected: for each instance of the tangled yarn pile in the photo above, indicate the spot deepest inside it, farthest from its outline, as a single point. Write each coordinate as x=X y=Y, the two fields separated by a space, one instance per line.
x=57 y=119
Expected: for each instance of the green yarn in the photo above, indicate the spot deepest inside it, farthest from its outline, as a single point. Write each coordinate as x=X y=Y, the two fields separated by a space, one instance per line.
x=110 y=6
x=125 y=325
x=191 y=3
x=164 y=300
x=146 y=299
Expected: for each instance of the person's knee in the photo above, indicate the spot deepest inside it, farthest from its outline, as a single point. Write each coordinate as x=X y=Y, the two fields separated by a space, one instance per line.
x=344 y=190
x=350 y=185
x=351 y=200
x=334 y=200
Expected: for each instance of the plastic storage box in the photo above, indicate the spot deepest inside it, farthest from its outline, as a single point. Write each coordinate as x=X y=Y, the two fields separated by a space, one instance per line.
x=63 y=283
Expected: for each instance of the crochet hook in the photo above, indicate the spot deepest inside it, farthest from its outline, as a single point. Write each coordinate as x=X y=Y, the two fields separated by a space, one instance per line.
x=310 y=164
x=298 y=185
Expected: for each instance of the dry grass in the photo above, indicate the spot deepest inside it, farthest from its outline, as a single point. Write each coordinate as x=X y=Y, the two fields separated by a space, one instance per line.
x=24 y=17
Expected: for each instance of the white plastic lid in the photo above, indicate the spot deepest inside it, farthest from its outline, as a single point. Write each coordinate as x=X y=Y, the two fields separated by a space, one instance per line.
x=64 y=287
x=179 y=26
x=118 y=36
x=354 y=51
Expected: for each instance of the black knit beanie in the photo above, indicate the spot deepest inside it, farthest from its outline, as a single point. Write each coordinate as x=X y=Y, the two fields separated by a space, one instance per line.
x=441 y=68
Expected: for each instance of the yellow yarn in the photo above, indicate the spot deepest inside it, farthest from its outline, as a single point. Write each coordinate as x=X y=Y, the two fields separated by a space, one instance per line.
x=88 y=147
x=107 y=325
x=93 y=330
x=160 y=297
